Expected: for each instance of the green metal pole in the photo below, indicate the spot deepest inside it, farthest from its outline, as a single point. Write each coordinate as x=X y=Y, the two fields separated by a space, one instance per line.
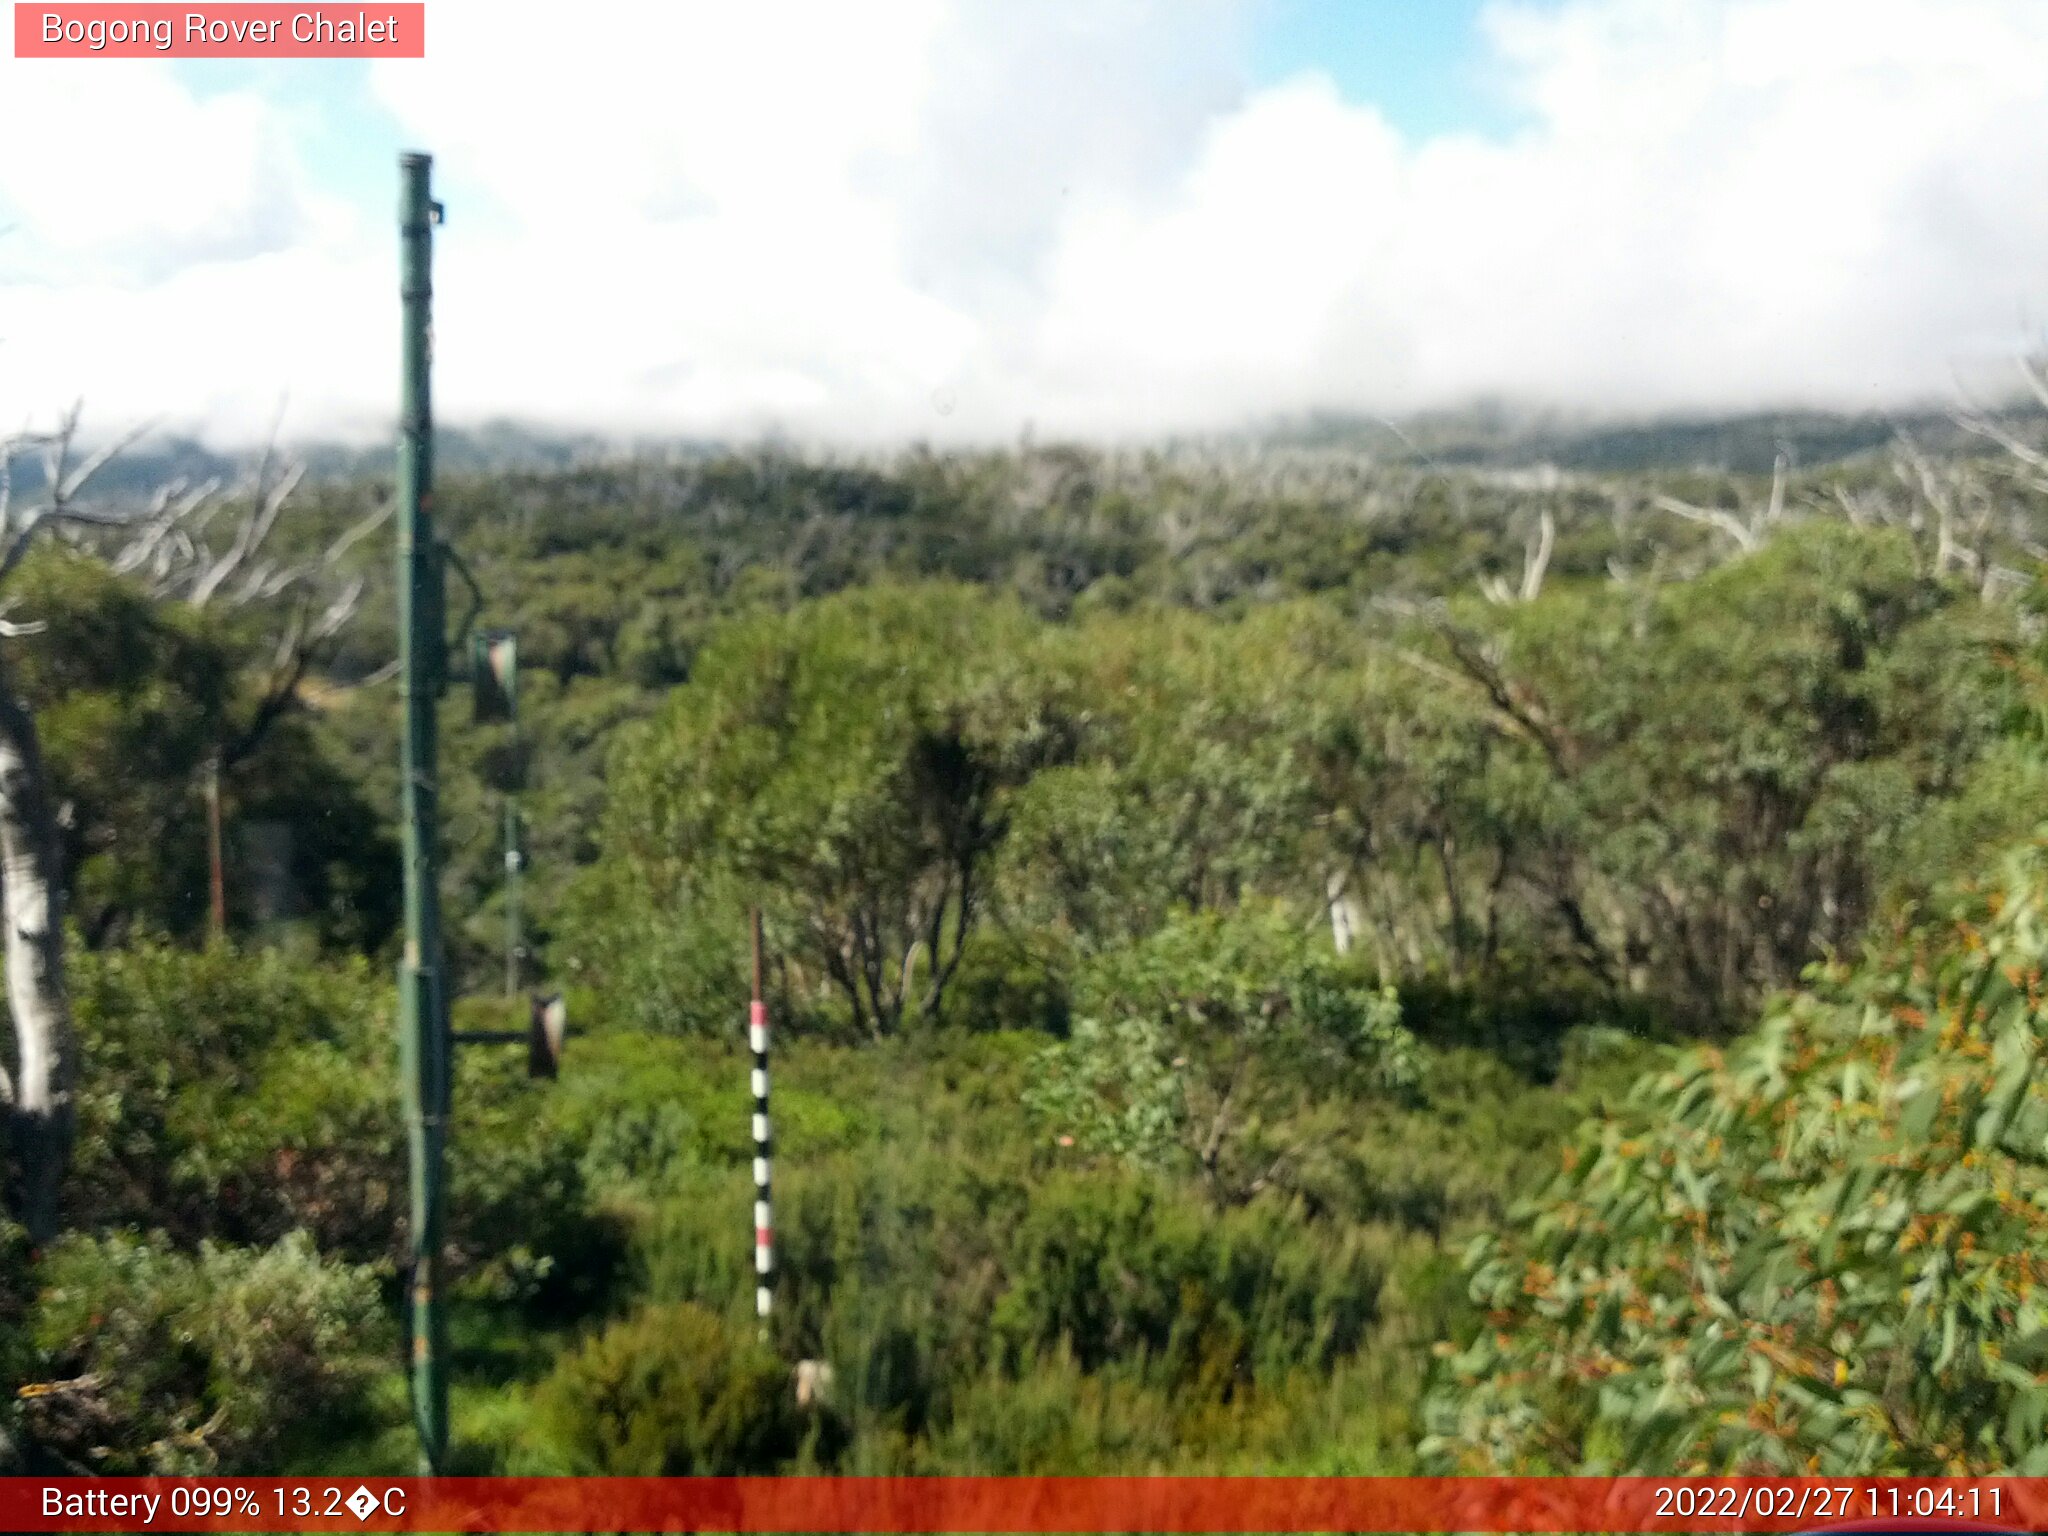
x=424 y=1044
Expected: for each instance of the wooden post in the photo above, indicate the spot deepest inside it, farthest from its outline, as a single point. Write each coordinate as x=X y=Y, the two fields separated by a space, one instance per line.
x=216 y=873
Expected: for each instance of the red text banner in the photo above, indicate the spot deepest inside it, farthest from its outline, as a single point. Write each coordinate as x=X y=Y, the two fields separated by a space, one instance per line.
x=1023 y=1504
x=217 y=31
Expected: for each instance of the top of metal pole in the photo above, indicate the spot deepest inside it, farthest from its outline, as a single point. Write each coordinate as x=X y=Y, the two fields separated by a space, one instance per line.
x=418 y=211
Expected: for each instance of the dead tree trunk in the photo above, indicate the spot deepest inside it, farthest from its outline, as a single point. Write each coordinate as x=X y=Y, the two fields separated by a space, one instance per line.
x=36 y=1106
x=216 y=871
x=38 y=1098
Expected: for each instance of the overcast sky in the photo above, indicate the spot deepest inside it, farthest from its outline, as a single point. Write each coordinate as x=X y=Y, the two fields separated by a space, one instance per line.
x=947 y=219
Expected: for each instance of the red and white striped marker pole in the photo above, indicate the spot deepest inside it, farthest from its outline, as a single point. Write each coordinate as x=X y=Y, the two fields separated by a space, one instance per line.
x=764 y=1214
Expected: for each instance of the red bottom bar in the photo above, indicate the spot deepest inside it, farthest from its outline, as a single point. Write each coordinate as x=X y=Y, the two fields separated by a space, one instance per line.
x=1024 y=1504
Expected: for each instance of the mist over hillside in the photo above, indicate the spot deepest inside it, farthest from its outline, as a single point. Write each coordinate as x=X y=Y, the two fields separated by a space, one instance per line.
x=1746 y=443
x=1482 y=436
x=156 y=460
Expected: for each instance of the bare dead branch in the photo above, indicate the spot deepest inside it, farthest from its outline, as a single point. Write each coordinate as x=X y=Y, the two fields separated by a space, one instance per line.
x=254 y=580
x=57 y=446
x=290 y=640
x=1998 y=578
x=262 y=517
x=2036 y=379
x=64 y=490
x=1983 y=426
x=270 y=449
x=1536 y=562
x=62 y=518
x=280 y=581
x=360 y=530
x=62 y=485
x=1939 y=495
x=1727 y=522
x=1852 y=507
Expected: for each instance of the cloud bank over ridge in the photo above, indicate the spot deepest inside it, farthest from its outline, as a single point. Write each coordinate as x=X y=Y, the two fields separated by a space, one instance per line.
x=944 y=219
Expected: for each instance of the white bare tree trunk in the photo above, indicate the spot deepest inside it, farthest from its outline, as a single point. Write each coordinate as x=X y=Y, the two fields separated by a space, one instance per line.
x=37 y=1099
x=1345 y=918
x=161 y=541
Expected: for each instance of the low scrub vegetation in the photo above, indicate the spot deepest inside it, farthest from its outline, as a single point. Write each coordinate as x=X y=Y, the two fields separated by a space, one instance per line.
x=1269 y=975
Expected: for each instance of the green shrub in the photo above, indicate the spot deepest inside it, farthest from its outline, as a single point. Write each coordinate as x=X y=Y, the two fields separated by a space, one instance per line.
x=1008 y=981
x=884 y=1266
x=1526 y=1017
x=523 y=1221
x=1194 y=1045
x=1124 y=1268
x=17 y=1357
x=158 y=1361
x=227 y=1096
x=1056 y=1420
x=671 y=1391
x=237 y=1096
x=664 y=965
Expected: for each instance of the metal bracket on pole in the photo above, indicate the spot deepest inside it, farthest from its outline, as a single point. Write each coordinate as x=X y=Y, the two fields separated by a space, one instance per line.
x=547 y=1029
x=460 y=567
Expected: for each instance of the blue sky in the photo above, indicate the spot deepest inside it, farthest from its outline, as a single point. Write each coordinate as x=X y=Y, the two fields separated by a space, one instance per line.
x=1420 y=62
x=344 y=135
x=1102 y=218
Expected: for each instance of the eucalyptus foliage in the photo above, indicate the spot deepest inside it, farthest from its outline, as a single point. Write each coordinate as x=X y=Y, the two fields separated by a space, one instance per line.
x=847 y=767
x=1821 y=1251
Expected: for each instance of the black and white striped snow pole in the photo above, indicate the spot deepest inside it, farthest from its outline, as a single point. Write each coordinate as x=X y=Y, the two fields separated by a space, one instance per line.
x=764 y=1211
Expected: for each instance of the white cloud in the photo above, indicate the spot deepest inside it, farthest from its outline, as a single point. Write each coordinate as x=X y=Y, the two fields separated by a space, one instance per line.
x=1712 y=206
x=115 y=174
x=945 y=218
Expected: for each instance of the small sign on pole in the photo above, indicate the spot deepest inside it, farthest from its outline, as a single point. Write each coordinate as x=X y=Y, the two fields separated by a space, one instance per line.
x=545 y=1033
x=494 y=674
